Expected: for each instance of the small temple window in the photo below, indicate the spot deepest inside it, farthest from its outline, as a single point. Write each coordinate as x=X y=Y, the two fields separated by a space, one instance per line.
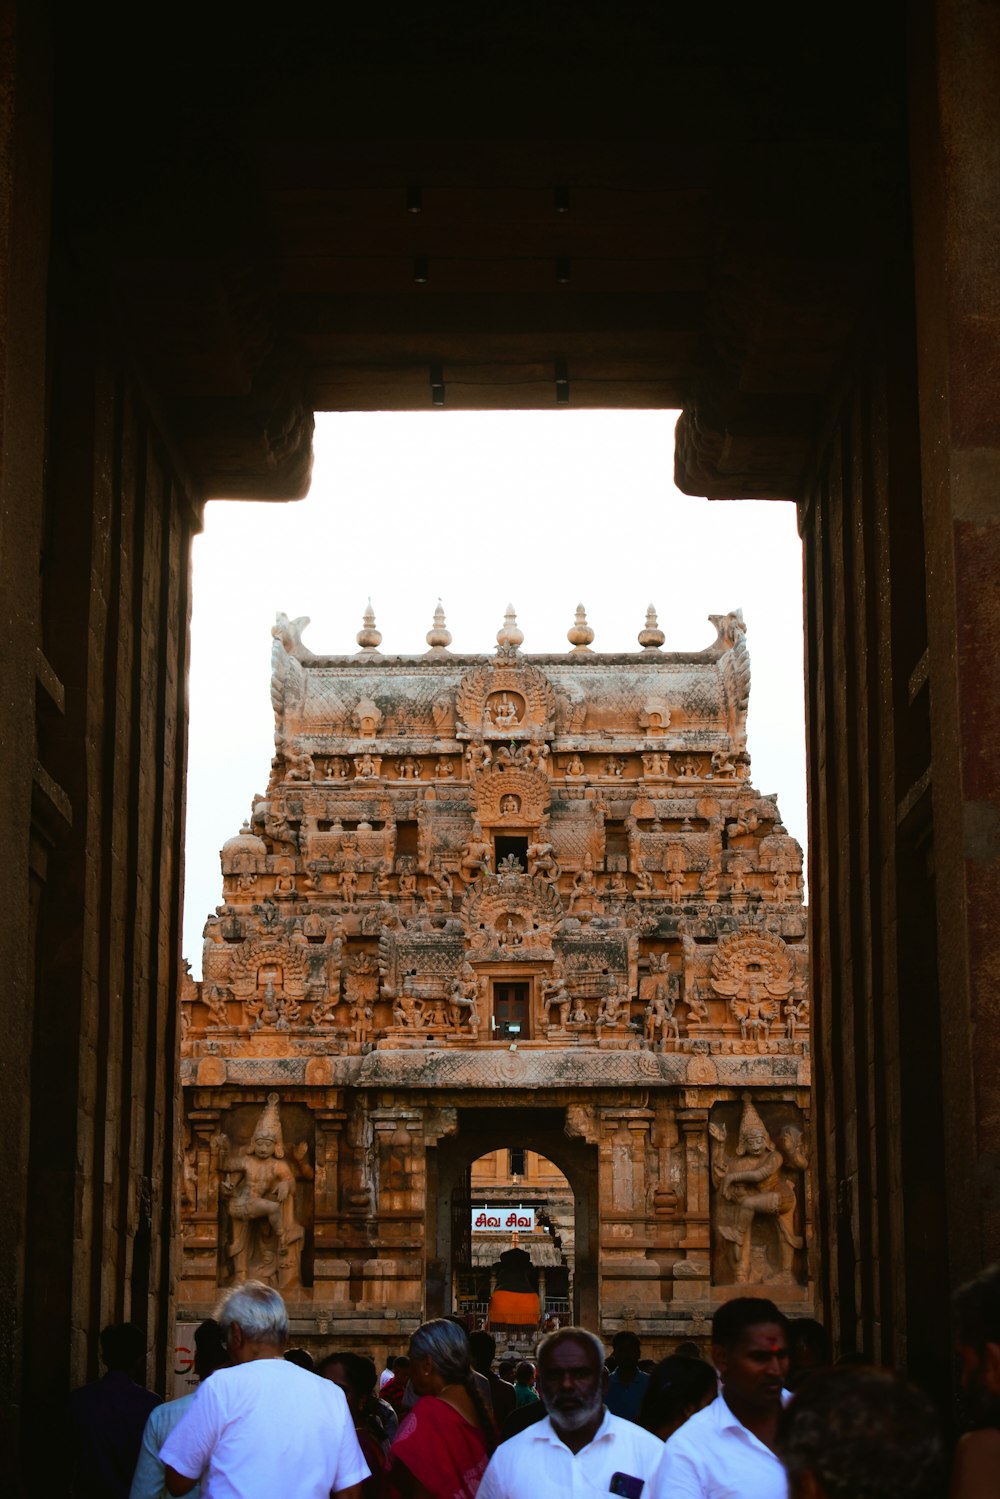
x=406 y=839
x=505 y=847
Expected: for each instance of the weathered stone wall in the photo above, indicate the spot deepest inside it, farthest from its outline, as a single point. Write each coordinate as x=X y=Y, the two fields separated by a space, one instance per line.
x=114 y=618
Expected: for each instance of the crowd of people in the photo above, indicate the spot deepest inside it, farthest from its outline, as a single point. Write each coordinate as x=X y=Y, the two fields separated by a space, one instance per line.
x=770 y=1417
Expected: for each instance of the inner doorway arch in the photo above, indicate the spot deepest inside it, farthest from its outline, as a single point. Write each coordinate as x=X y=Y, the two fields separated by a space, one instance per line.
x=479 y=1132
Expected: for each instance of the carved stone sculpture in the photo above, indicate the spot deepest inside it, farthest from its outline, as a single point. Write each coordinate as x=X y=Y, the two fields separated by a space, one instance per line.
x=257 y=1186
x=753 y=1183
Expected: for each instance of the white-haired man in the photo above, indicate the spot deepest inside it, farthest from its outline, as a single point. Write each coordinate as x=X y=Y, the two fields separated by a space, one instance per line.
x=580 y=1446
x=264 y=1426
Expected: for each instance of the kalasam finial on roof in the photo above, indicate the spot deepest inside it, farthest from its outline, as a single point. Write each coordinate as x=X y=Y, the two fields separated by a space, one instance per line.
x=509 y=636
x=651 y=637
x=438 y=637
x=368 y=638
x=580 y=633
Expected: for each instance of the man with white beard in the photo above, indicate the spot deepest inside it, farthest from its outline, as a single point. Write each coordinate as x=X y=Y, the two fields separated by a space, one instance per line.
x=579 y=1447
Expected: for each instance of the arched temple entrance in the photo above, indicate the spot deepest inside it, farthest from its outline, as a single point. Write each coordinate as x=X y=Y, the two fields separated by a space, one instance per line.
x=450 y=1198
x=718 y=217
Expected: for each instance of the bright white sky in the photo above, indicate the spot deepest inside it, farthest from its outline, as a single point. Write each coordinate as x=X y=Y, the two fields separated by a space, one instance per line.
x=542 y=509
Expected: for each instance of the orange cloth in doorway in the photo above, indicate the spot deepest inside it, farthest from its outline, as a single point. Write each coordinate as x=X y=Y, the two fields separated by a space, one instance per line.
x=514 y=1308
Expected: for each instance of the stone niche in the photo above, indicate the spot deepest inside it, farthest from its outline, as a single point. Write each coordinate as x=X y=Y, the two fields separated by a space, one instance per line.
x=264 y=1162
x=758 y=1193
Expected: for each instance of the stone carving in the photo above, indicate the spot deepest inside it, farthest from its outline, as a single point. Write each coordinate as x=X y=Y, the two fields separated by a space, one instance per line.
x=493 y=789
x=477 y=856
x=757 y=1182
x=244 y=858
x=754 y=970
x=257 y=1187
x=504 y=696
x=366 y=716
x=463 y=999
x=660 y=1020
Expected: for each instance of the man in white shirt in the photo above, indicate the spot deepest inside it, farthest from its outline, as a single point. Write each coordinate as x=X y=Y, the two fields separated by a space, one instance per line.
x=210 y=1354
x=727 y=1450
x=579 y=1450
x=265 y=1426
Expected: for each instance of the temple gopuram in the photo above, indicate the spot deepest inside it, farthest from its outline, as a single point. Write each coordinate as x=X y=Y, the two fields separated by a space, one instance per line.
x=525 y=911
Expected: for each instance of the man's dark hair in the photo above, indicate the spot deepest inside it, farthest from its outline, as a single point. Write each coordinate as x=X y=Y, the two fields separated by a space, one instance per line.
x=732 y=1319
x=510 y=1364
x=122 y=1346
x=977 y=1309
x=525 y=1373
x=862 y=1434
x=810 y=1346
x=483 y=1349
x=401 y=1364
x=688 y=1349
x=301 y=1357
x=676 y=1385
x=360 y=1372
x=210 y=1351
x=623 y=1340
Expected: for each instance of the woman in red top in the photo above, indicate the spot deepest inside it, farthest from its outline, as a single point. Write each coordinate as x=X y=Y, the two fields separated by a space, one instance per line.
x=443 y=1445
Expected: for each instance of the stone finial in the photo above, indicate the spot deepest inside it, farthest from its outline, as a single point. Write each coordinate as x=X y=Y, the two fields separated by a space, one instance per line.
x=580 y=634
x=651 y=637
x=438 y=637
x=368 y=638
x=509 y=637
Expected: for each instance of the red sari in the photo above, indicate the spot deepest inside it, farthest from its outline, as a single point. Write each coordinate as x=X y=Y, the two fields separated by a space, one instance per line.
x=438 y=1449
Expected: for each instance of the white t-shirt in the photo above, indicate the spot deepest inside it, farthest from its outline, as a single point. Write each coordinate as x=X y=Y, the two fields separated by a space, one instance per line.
x=147 y=1480
x=714 y=1456
x=537 y=1461
x=263 y=1429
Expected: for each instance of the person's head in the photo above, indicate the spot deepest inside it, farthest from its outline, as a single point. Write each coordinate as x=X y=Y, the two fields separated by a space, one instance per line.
x=977 y=1329
x=750 y=1351
x=677 y=1388
x=626 y=1348
x=252 y=1316
x=300 y=1357
x=507 y=1368
x=571 y=1378
x=401 y=1368
x=354 y=1374
x=809 y=1346
x=210 y=1351
x=123 y=1347
x=688 y=1349
x=524 y=1374
x=483 y=1351
x=852 y=1433
x=439 y=1355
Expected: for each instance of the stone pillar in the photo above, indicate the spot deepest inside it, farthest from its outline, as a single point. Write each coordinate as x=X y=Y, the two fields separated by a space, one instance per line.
x=201 y=1267
x=331 y=1272
x=695 y=1268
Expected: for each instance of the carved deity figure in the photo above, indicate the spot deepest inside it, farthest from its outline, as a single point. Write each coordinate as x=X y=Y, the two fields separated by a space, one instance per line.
x=755 y=1012
x=408 y=769
x=478 y=757
x=367 y=767
x=584 y=887
x=643 y=881
x=613 y=1012
x=361 y=1018
x=579 y=1014
x=444 y=767
x=505 y=713
x=722 y=764
x=555 y=995
x=656 y=763
x=258 y=1187
x=477 y=856
x=463 y=999
x=660 y=1020
x=509 y=805
x=542 y=859
x=339 y=768
x=298 y=764
x=709 y=880
x=407 y=1011
x=796 y=1014
x=614 y=766
x=675 y=869
x=574 y=766
x=687 y=768
x=756 y=1184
